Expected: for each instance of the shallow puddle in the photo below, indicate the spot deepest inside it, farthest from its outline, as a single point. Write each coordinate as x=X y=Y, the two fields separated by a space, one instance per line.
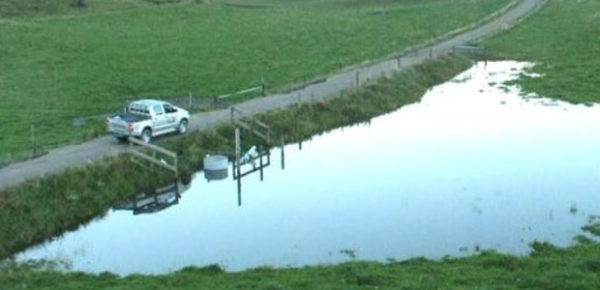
x=473 y=166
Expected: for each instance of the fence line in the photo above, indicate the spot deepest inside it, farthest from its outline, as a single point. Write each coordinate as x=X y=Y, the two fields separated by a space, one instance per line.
x=152 y=158
x=252 y=124
x=468 y=48
x=254 y=89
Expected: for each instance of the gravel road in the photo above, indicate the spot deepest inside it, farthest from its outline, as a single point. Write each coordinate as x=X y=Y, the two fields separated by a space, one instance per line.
x=62 y=158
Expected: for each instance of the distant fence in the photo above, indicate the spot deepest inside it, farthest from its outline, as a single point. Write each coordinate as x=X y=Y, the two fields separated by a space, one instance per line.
x=469 y=49
x=192 y=102
x=32 y=142
x=260 y=89
x=472 y=50
x=189 y=102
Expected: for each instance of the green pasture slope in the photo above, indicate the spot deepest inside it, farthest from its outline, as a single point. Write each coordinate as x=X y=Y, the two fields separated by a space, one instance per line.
x=564 y=40
x=59 y=63
x=39 y=210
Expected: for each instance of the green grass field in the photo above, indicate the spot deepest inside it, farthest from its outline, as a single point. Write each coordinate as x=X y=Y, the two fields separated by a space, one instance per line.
x=561 y=39
x=564 y=40
x=44 y=208
x=59 y=63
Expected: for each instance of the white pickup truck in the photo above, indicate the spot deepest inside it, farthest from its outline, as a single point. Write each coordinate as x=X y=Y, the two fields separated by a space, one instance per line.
x=145 y=119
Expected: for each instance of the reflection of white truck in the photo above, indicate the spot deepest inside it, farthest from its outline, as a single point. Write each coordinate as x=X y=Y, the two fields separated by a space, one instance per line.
x=148 y=118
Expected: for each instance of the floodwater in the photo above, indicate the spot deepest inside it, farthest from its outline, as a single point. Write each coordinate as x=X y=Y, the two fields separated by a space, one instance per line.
x=473 y=166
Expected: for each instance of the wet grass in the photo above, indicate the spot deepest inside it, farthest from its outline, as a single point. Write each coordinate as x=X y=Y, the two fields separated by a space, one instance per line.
x=564 y=40
x=546 y=267
x=60 y=63
x=42 y=209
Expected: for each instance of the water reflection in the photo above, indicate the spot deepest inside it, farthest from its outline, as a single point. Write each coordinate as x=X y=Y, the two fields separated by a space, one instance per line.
x=473 y=166
x=159 y=200
x=255 y=160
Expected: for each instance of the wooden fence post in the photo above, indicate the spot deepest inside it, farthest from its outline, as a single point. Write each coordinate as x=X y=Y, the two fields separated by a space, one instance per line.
x=152 y=158
x=282 y=154
x=485 y=54
x=237 y=164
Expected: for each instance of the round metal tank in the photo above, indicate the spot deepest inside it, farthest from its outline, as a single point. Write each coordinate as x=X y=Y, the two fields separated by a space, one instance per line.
x=215 y=167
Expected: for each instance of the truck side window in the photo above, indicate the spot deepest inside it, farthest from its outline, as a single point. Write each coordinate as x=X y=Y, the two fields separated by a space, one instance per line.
x=169 y=109
x=158 y=109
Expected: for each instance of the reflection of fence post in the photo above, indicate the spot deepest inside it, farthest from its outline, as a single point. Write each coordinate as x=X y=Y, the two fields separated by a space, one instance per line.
x=237 y=164
x=485 y=54
x=357 y=79
x=260 y=154
x=398 y=62
x=431 y=52
x=231 y=111
x=262 y=85
x=190 y=100
x=282 y=154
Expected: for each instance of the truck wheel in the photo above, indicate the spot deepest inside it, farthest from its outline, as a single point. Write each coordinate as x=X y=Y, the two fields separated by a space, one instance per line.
x=183 y=126
x=147 y=135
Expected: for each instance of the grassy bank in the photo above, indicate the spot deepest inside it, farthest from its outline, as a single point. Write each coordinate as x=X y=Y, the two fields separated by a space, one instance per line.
x=44 y=208
x=61 y=63
x=547 y=267
x=564 y=40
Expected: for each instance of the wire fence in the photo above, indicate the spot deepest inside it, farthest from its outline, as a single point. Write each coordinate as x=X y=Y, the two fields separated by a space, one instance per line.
x=33 y=132
x=206 y=103
x=35 y=137
x=29 y=139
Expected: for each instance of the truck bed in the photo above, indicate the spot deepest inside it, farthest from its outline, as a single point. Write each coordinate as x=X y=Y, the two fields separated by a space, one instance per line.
x=119 y=124
x=131 y=118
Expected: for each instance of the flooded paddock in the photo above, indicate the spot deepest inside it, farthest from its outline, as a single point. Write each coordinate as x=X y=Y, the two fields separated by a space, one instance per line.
x=474 y=165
